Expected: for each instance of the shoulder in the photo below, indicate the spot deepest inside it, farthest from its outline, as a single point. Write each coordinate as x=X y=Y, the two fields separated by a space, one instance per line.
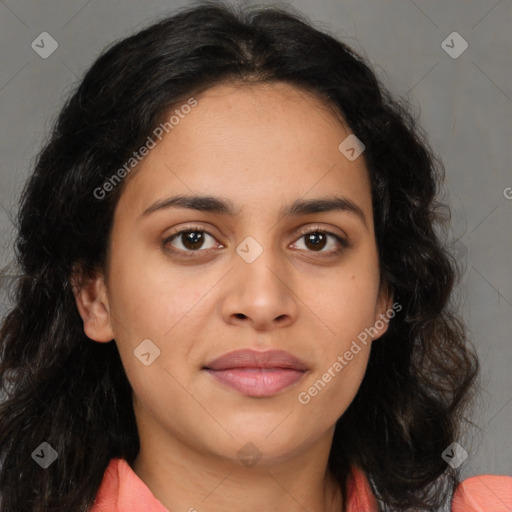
x=483 y=493
x=122 y=490
x=106 y=497
x=360 y=497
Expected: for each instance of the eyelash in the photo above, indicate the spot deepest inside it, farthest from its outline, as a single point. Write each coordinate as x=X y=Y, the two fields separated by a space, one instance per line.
x=192 y=254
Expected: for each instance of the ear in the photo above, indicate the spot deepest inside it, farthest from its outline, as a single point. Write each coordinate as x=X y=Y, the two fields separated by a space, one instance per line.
x=93 y=305
x=384 y=311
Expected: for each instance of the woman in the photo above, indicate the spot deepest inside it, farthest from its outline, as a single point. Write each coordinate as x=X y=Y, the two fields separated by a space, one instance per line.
x=233 y=294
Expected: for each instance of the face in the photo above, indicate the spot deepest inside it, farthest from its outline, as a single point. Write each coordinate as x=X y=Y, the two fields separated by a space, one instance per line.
x=267 y=263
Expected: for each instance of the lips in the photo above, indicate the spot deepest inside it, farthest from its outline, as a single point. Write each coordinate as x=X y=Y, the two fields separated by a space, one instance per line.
x=254 y=359
x=257 y=374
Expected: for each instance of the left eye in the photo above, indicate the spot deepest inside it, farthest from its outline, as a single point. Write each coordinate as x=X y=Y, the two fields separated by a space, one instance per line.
x=317 y=240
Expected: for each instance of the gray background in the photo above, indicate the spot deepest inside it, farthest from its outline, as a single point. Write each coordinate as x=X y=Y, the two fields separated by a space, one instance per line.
x=464 y=104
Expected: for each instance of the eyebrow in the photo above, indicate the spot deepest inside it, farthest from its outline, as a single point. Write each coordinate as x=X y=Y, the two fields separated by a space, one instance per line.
x=298 y=207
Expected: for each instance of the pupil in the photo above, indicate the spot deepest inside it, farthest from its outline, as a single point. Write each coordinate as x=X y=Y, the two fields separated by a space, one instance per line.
x=317 y=240
x=193 y=239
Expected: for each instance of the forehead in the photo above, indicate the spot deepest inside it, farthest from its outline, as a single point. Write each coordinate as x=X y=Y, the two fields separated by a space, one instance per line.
x=258 y=144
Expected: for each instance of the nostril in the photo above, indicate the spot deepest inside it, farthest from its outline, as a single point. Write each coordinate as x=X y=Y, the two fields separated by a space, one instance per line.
x=240 y=315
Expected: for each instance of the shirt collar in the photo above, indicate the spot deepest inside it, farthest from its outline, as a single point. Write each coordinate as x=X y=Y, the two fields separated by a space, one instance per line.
x=122 y=490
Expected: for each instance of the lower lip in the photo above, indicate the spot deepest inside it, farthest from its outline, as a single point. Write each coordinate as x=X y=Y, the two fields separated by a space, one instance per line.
x=257 y=382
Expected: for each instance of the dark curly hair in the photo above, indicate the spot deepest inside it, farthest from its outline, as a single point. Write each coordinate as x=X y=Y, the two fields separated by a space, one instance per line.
x=60 y=387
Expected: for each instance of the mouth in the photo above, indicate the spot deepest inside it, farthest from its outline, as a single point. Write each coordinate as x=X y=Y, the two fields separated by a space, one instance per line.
x=257 y=374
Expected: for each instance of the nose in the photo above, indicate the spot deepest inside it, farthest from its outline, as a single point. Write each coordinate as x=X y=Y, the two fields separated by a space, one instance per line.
x=260 y=294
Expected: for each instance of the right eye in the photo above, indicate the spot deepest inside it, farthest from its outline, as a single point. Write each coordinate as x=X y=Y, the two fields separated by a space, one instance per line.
x=189 y=240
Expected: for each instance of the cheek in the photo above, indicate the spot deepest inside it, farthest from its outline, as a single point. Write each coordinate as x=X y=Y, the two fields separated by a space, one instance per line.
x=347 y=303
x=346 y=309
x=332 y=387
x=169 y=305
x=349 y=314
x=148 y=303
x=149 y=298
x=341 y=360
x=335 y=389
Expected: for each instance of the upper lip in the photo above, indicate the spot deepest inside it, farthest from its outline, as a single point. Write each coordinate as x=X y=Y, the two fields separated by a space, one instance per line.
x=247 y=358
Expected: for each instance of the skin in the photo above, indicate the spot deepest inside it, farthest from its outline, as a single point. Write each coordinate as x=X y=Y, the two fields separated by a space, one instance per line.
x=260 y=147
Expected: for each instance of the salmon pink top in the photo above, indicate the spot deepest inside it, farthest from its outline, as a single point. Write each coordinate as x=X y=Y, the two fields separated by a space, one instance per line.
x=123 y=491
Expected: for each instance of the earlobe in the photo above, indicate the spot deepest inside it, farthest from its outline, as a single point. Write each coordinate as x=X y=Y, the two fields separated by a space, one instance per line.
x=92 y=302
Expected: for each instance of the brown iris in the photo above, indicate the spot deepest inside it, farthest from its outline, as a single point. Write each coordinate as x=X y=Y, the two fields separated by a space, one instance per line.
x=315 y=241
x=192 y=239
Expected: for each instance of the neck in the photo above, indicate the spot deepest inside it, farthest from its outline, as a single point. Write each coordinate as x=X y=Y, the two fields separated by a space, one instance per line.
x=183 y=478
